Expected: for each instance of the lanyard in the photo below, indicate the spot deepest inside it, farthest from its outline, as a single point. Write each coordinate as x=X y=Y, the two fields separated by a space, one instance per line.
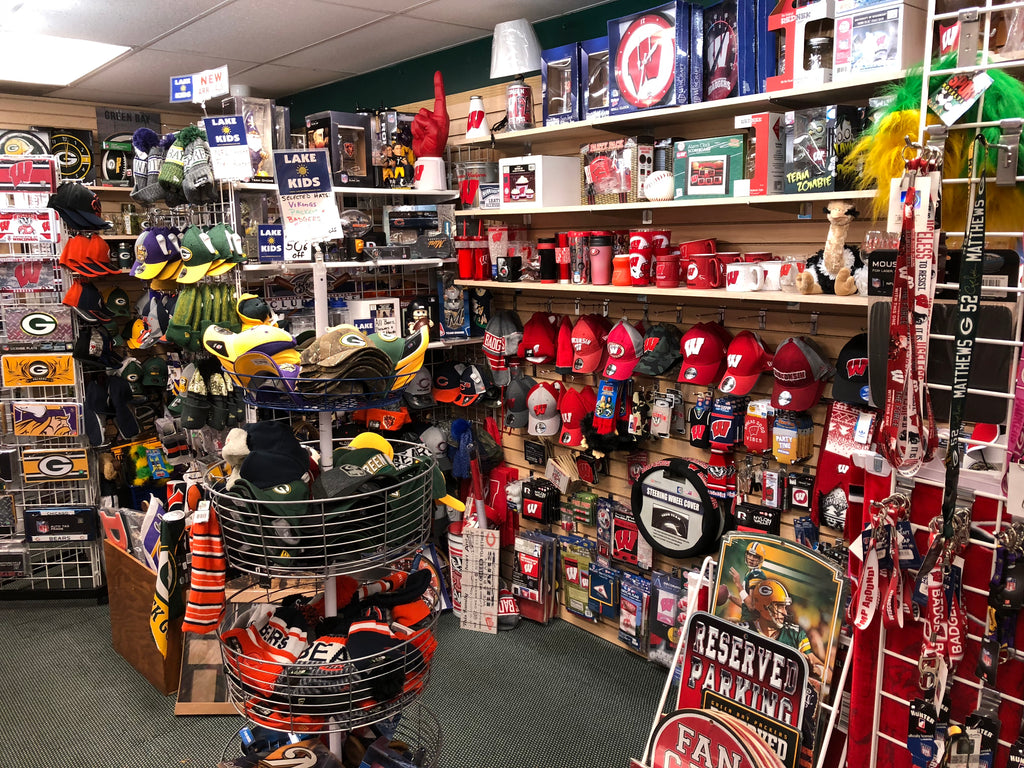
x=968 y=306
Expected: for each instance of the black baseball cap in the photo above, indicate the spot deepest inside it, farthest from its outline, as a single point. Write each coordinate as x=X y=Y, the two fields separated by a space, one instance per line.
x=662 y=344
x=78 y=206
x=851 y=384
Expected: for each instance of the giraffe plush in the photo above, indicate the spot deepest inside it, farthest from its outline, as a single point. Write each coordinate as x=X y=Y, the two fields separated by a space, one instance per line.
x=837 y=268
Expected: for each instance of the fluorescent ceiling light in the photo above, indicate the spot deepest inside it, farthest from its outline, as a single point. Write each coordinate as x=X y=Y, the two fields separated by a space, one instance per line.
x=51 y=60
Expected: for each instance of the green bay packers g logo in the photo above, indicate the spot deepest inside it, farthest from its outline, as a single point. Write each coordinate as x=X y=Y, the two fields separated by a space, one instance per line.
x=186 y=254
x=39 y=370
x=353 y=340
x=57 y=465
x=38 y=324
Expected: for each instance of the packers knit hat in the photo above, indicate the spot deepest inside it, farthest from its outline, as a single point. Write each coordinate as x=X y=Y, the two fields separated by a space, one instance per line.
x=197 y=176
x=172 y=172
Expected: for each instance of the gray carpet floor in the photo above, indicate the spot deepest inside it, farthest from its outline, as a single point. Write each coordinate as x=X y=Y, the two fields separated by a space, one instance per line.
x=535 y=697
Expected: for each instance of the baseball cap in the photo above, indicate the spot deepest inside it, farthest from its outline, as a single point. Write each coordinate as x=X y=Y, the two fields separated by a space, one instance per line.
x=223 y=240
x=86 y=300
x=800 y=374
x=516 y=413
x=152 y=253
x=575 y=406
x=542 y=409
x=78 y=206
x=197 y=255
x=117 y=303
x=625 y=345
x=746 y=359
x=661 y=350
x=540 y=338
x=419 y=394
x=154 y=372
x=851 y=384
x=703 y=347
x=472 y=384
x=589 y=335
x=447 y=379
x=87 y=255
x=563 y=346
x=502 y=339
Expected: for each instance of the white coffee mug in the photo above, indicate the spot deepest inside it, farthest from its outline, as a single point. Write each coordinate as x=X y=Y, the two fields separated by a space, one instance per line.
x=772 y=271
x=741 y=276
x=790 y=270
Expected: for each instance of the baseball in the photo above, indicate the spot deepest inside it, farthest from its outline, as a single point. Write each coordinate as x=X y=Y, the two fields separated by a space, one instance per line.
x=659 y=186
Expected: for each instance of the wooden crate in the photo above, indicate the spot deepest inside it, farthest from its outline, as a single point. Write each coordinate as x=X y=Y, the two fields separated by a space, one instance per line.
x=130 y=585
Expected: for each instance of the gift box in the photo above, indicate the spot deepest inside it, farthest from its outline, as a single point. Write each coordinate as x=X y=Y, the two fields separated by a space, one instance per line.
x=730 y=55
x=391 y=149
x=649 y=58
x=877 y=39
x=708 y=167
x=615 y=171
x=593 y=83
x=766 y=156
x=560 y=75
x=258 y=118
x=818 y=140
x=539 y=180
x=797 y=22
x=347 y=137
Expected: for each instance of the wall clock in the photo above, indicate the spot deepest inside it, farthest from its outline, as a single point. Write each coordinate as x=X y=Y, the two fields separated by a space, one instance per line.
x=645 y=60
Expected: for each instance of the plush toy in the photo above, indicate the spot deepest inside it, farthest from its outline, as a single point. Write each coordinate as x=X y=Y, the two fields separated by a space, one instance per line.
x=837 y=268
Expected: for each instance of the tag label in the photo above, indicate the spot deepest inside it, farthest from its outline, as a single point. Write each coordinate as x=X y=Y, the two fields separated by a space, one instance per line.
x=958 y=94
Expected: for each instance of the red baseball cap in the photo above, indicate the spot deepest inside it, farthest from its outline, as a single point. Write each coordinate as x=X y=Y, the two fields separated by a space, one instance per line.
x=704 y=347
x=575 y=407
x=800 y=374
x=588 y=344
x=563 y=348
x=745 y=360
x=625 y=345
x=540 y=338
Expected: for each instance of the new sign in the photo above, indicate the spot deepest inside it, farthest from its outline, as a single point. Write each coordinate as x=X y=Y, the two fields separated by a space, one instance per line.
x=199 y=87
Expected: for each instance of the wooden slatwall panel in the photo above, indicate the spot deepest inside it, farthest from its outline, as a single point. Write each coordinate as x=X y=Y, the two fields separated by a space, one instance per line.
x=746 y=228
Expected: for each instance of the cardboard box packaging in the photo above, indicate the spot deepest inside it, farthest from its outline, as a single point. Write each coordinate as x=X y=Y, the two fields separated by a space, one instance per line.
x=730 y=56
x=798 y=22
x=258 y=118
x=708 y=167
x=560 y=77
x=818 y=140
x=347 y=138
x=381 y=316
x=877 y=39
x=649 y=58
x=765 y=158
x=539 y=180
x=592 y=100
x=614 y=171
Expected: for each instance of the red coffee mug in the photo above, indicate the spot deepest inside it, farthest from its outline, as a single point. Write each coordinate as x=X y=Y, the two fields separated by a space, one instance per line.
x=666 y=270
x=703 y=271
x=725 y=258
x=752 y=257
x=692 y=247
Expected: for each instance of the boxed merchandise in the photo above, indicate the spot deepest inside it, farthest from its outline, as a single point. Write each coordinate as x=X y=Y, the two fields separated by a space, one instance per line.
x=730 y=61
x=592 y=99
x=877 y=39
x=13 y=559
x=539 y=180
x=695 y=66
x=802 y=27
x=61 y=524
x=818 y=140
x=392 y=154
x=560 y=75
x=614 y=171
x=767 y=45
x=489 y=197
x=765 y=157
x=258 y=117
x=347 y=137
x=381 y=316
x=649 y=58
x=708 y=167
x=455 y=312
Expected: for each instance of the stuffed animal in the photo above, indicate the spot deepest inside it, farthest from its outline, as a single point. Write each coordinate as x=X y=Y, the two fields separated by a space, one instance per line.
x=837 y=268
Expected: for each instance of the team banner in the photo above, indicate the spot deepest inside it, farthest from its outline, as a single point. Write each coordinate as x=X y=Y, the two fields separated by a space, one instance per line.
x=31 y=173
x=735 y=670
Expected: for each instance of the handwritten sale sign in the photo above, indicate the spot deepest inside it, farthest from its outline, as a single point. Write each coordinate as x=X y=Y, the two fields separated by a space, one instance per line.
x=308 y=209
x=229 y=150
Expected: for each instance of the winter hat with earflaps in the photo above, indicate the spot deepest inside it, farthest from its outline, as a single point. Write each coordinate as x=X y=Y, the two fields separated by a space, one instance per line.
x=197 y=181
x=172 y=172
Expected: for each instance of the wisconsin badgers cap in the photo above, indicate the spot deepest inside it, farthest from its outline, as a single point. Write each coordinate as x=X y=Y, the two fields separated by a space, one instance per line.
x=575 y=407
x=625 y=345
x=563 y=347
x=800 y=374
x=745 y=361
x=851 y=384
x=542 y=409
x=589 y=335
x=661 y=350
x=540 y=338
x=502 y=339
x=703 y=348
x=516 y=413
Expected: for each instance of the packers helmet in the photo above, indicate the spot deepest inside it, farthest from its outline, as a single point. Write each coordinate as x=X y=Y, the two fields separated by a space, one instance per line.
x=754 y=555
x=771 y=602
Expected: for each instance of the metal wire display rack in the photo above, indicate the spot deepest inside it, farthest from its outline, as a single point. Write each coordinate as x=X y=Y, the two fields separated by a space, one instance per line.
x=308 y=395
x=328 y=688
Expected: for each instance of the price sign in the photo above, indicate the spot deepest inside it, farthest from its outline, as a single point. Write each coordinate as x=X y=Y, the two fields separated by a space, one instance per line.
x=480 y=580
x=229 y=150
x=298 y=250
x=308 y=209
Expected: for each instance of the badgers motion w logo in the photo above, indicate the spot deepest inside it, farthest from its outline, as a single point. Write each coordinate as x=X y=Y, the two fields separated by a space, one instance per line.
x=856 y=367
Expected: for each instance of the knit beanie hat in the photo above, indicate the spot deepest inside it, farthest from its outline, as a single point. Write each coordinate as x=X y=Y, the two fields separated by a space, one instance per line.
x=144 y=140
x=198 y=179
x=172 y=172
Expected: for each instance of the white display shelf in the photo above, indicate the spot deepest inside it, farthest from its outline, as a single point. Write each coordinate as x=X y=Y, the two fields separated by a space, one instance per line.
x=759 y=200
x=449 y=343
x=435 y=195
x=644 y=121
x=653 y=292
x=293 y=266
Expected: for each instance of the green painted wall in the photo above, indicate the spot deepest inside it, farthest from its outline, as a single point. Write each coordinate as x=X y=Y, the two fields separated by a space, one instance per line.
x=465 y=67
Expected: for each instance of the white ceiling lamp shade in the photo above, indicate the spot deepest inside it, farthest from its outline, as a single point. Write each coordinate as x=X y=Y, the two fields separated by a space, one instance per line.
x=33 y=58
x=515 y=49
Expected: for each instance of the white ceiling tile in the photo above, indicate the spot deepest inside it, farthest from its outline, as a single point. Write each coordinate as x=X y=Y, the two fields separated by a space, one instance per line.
x=484 y=14
x=394 y=39
x=254 y=30
x=150 y=71
x=391 y=6
x=105 y=96
x=125 y=22
x=272 y=81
